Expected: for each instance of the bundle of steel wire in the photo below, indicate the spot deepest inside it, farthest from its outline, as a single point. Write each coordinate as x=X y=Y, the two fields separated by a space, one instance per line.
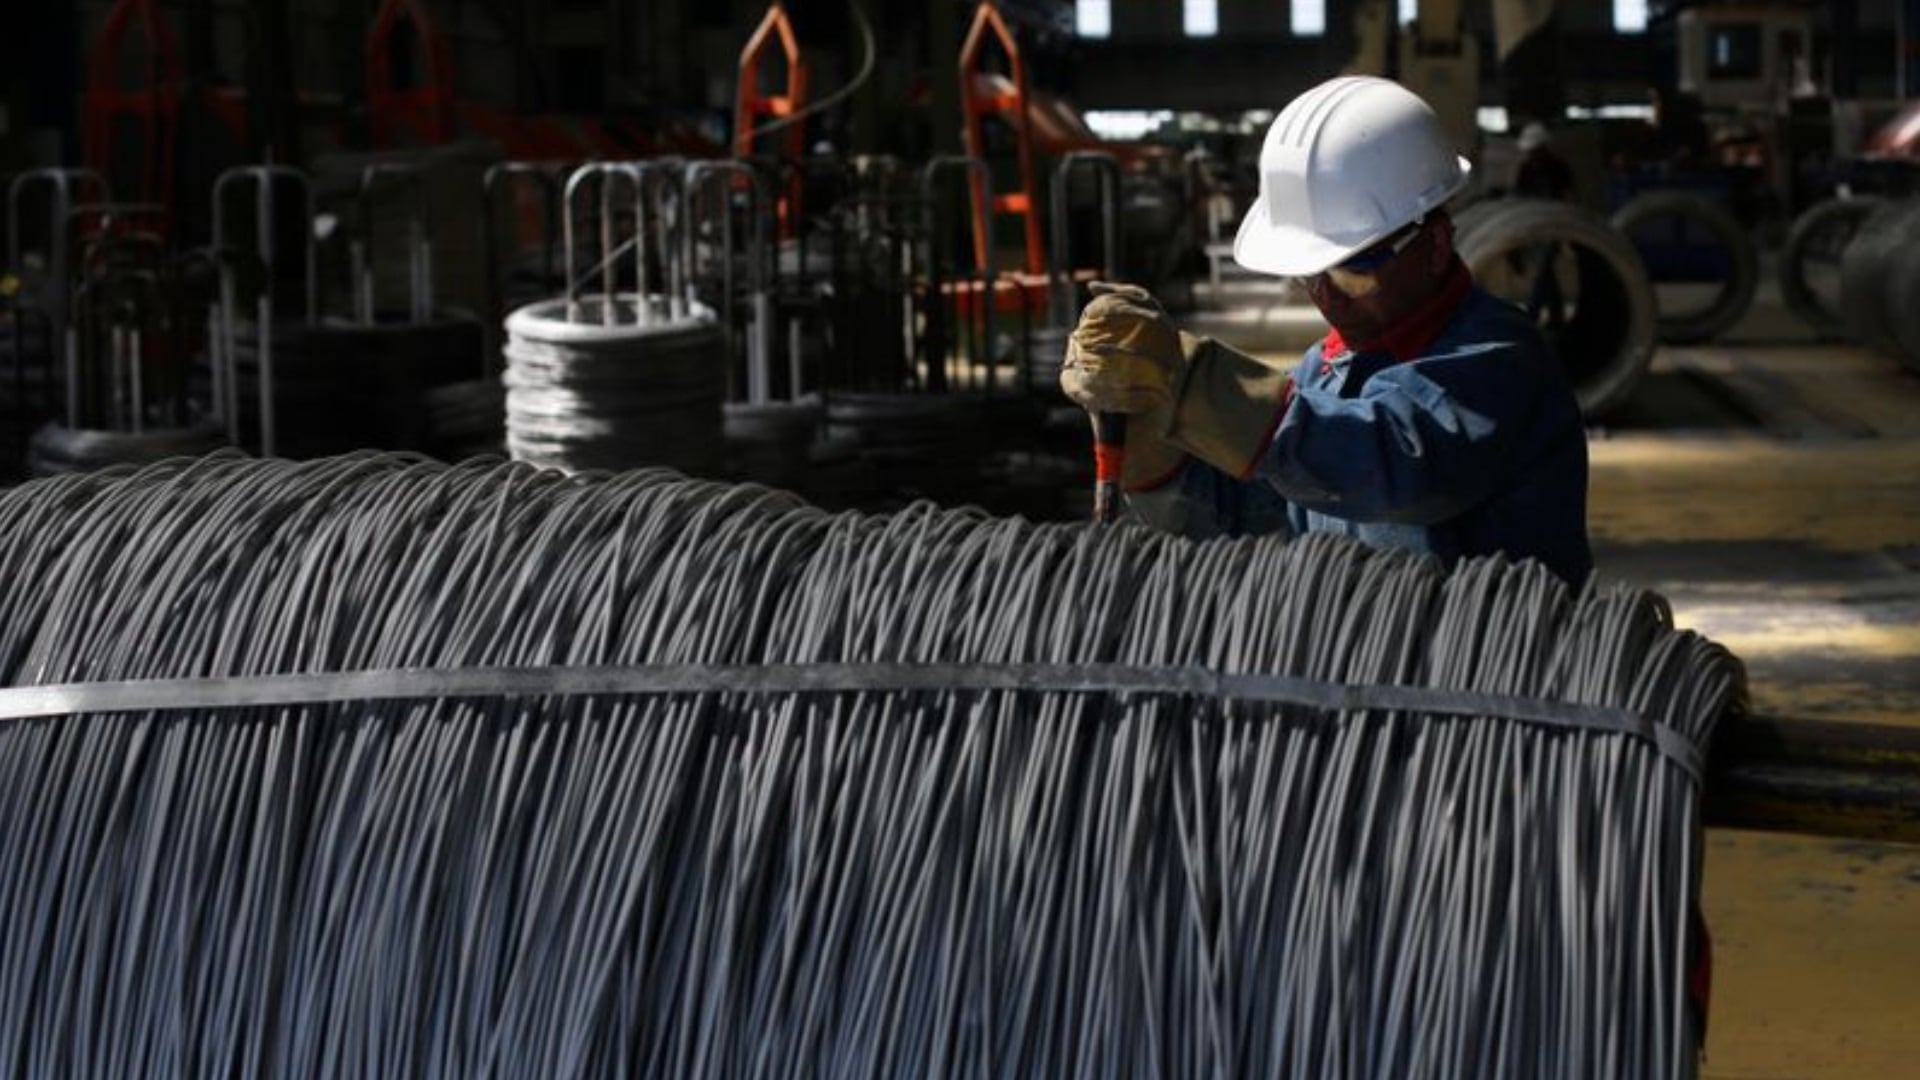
x=593 y=389
x=635 y=775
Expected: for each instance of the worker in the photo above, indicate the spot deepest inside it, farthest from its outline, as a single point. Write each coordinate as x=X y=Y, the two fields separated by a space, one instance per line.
x=1431 y=417
x=1541 y=173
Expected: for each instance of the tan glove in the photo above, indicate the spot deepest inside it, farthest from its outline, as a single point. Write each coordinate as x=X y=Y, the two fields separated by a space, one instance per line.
x=1226 y=405
x=1186 y=394
x=1124 y=355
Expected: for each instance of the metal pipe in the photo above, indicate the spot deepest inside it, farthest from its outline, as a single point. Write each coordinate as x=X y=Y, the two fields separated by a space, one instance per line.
x=263 y=180
x=1106 y=170
x=982 y=188
x=420 y=298
x=699 y=178
x=503 y=176
x=61 y=185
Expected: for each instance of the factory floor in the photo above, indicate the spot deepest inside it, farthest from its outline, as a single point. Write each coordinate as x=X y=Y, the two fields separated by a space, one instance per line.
x=1769 y=486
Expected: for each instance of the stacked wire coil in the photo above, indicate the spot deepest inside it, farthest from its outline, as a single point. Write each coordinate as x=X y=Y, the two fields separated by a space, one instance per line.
x=1024 y=873
x=593 y=389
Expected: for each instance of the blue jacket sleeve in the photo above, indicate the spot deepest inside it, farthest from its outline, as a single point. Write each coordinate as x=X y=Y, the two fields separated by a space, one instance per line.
x=1423 y=441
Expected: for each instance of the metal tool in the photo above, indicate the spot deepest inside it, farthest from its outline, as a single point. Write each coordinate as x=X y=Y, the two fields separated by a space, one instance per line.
x=1109 y=462
x=1109 y=429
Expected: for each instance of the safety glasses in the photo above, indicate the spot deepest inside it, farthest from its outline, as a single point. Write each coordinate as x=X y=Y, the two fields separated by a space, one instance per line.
x=1381 y=252
x=1357 y=276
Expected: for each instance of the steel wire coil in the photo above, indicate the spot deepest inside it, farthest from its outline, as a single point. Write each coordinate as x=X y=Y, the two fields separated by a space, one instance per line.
x=342 y=386
x=55 y=448
x=1875 y=291
x=1037 y=881
x=1582 y=280
x=587 y=392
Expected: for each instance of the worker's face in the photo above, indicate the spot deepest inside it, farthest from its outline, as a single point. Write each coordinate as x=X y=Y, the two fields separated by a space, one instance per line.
x=1364 y=297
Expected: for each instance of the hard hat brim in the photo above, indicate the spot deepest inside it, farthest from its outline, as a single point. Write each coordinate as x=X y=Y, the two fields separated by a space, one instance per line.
x=1293 y=251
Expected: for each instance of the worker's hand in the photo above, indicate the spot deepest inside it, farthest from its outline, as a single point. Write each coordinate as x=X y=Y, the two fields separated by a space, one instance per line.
x=1124 y=356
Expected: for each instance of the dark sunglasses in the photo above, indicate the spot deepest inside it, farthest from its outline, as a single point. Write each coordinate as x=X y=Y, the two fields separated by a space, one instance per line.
x=1382 y=252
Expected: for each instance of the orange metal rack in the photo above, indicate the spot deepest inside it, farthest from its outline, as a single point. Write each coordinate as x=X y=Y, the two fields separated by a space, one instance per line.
x=751 y=105
x=424 y=110
x=154 y=104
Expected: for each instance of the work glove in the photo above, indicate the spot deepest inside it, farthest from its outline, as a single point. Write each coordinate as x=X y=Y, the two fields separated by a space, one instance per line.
x=1124 y=356
x=1226 y=406
x=1186 y=395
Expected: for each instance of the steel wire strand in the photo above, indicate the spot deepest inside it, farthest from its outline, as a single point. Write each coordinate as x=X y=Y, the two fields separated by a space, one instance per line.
x=860 y=883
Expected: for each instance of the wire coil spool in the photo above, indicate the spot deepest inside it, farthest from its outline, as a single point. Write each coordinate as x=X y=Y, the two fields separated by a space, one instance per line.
x=771 y=417
x=29 y=387
x=56 y=449
x=1811 y=256
x=1871 y=279
x=1667 y=227
x=926 y=795
x=644 y=391
x=346 y=386
x=1581 y=280
x=772 y=442
x=615 y=380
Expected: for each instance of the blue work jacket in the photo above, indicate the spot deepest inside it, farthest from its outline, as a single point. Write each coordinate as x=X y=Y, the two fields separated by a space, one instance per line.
x=1468 y=442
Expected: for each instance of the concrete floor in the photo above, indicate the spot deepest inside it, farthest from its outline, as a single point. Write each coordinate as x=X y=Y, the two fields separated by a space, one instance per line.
x=1793 y=540
x=1769 y=487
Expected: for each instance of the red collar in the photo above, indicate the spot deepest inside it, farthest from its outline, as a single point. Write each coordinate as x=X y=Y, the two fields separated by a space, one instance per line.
x=1410 y=337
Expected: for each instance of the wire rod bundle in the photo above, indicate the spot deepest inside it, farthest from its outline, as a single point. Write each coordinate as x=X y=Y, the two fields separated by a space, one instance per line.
x=1430 y=846
x=643 y=390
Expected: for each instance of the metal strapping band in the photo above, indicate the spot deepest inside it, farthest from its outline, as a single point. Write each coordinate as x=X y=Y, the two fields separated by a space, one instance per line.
x=253 y=691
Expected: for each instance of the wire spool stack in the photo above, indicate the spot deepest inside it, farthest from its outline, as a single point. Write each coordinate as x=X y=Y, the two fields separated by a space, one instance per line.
x=125 y=390
x=1692 y=246
x=343 y=386
x=1810 y=260
x=484 y=770
x=771 y=442
x=1583 y=282
x=1877 y=279
x=29 y=383
x=432 y=362
x=297 y=383
x=619 y=379
x=917 y=407
x=771 y=416
x=35 y=302
x=614 y=385
x=56 y=448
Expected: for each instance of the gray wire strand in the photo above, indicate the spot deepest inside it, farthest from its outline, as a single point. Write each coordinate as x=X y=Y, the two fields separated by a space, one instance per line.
x=936 y=878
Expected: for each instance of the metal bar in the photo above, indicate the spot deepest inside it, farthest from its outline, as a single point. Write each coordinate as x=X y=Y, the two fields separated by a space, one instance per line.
x=1822 y=777
x=981 y=186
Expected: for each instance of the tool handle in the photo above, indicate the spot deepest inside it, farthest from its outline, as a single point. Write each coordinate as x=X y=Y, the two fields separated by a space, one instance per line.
x=1109 y=462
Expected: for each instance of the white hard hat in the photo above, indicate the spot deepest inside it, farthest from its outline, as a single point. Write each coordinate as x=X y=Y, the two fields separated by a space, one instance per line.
x=1347 y=163
x=1534 y=136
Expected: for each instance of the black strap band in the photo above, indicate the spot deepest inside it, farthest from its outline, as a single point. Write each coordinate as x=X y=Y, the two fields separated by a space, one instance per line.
x=254 y=691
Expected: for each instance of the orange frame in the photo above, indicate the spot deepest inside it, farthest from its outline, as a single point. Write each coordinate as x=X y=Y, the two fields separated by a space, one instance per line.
x=750 y=105
x=428 y=106
x=156 y=104
x=1013 y=106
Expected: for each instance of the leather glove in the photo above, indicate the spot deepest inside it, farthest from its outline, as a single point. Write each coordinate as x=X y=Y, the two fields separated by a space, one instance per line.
x=1226 y=406
x=1124 y=355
